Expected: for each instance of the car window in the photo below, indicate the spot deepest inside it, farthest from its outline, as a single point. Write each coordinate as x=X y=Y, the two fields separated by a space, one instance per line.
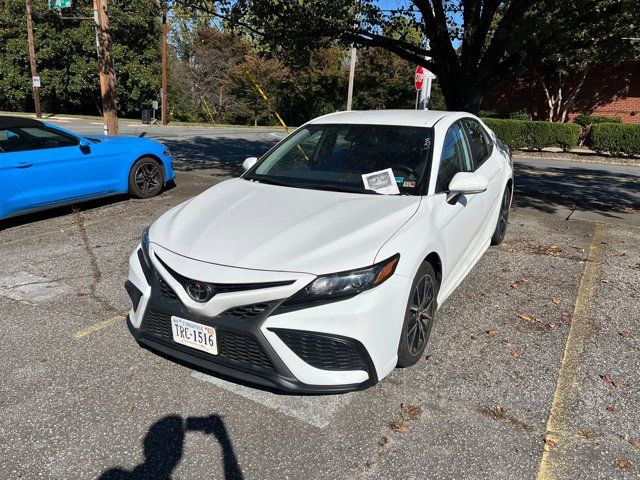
x=19 y=139
x=479 y=141
x=328 y=155
x=455 y=157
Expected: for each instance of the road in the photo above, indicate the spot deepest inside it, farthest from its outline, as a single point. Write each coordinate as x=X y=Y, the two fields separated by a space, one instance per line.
x=531 y=372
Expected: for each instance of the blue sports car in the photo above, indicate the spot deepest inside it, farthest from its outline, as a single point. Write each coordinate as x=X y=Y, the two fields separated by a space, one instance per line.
x=44 y=166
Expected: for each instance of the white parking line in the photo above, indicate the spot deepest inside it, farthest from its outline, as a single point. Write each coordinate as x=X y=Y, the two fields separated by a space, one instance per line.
x=317 y=411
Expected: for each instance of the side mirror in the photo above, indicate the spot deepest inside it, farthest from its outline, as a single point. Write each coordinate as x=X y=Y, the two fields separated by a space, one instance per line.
x=466 y=183
x=249 y=162
x=85 y=146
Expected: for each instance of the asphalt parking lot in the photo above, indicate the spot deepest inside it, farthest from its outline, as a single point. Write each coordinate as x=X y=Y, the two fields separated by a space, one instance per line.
x=532 y=370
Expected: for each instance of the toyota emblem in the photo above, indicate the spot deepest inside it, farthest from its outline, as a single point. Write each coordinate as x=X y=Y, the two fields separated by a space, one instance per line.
x=199 y=291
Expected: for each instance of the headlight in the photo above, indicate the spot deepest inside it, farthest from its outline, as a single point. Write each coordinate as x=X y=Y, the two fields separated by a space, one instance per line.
x=338 y=286
x=144 y=242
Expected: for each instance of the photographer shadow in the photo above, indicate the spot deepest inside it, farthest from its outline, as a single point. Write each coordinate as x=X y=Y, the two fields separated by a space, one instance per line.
x=164 y=445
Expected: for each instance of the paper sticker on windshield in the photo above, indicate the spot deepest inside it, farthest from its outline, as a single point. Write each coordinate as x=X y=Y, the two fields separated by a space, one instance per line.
x=383 y=182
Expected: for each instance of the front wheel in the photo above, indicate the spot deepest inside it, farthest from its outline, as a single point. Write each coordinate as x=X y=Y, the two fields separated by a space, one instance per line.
x=503 y=218
x=418 y=318
x=146 y=178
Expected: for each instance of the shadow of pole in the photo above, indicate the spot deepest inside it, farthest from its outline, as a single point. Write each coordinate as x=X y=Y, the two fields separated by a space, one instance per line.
x=164 y=446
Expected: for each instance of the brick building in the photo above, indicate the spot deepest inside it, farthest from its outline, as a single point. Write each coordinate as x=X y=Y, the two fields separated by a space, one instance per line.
x=612 y=91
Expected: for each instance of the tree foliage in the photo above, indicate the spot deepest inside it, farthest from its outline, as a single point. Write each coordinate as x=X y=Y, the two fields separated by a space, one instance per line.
x=469 y=44
x=67 y=60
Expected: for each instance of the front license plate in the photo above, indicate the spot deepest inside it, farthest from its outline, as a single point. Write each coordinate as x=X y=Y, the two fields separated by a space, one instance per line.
x=194 y=335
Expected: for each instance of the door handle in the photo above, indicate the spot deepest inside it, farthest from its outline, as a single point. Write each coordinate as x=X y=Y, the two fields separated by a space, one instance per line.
x=23 y=165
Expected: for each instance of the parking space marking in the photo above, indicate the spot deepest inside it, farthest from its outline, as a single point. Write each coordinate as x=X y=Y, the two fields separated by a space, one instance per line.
x=98 y=326
x=315 y=410
x=567 y=386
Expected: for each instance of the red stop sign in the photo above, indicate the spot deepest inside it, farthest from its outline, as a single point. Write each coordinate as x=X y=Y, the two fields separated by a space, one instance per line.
x=419 y=77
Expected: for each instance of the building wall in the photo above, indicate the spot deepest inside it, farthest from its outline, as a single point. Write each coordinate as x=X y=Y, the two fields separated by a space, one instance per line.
x=612 y=91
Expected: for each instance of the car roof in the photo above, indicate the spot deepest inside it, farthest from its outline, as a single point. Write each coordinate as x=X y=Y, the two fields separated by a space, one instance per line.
x=411 y=118
x=8 y=121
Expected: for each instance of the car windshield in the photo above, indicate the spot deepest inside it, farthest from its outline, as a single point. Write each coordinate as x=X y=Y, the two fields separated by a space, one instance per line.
x=336 y=156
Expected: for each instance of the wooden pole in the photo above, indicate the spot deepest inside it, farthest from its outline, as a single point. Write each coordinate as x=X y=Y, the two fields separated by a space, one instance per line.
x=163 y=99
x=32 y=58
x=105 y=63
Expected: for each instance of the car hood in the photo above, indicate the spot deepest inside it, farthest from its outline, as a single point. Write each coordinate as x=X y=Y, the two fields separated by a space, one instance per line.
x=251 y=225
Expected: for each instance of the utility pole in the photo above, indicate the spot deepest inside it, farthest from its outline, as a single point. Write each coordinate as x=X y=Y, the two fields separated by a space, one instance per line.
x=32 y=58
x=163 y=99
x=352 y=72
x=105 y=64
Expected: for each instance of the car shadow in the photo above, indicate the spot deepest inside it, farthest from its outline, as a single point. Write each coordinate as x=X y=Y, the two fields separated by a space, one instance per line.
x=550 y=189
x=71 y=208
x=164 y=446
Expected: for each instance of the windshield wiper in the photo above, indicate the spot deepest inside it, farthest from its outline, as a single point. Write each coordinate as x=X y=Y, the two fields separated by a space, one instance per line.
x=269 y=181
x=334 y=188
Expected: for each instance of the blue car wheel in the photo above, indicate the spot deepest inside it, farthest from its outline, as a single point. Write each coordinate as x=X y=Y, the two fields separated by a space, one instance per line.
x=146 y=178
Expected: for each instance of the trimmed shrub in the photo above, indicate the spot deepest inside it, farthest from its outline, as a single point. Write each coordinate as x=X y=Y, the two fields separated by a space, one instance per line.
x=615 y=138
x=537 y=135
x=519 y=115
x=585 y=119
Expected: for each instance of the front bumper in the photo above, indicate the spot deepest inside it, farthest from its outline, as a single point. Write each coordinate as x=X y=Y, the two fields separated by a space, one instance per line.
x=337 y=347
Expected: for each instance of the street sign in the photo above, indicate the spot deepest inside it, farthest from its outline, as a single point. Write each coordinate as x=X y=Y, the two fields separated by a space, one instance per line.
x=35 y=81
x=154 y=104
x=419 y=78
x=57 y=4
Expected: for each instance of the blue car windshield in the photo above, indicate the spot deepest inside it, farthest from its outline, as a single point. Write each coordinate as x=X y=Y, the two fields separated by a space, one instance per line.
x=336 y=156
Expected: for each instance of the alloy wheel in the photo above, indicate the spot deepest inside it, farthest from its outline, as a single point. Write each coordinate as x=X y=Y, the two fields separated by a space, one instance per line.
x=504 y=213
x=147 y=177
x=421 y=314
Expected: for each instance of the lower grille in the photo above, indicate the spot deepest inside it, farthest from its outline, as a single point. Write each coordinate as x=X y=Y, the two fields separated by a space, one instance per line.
x=165 y=290
x=247 y=311
x=234 y=346
x=323 y=351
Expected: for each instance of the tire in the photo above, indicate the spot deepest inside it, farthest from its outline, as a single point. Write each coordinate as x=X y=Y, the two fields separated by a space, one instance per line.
x=503 y=218
x=146 y=178
x=418 y=317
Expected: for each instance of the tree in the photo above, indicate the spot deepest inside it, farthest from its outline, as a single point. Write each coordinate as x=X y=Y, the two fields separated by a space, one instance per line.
x=67 y=61
x=598 y=32
x=469 y=44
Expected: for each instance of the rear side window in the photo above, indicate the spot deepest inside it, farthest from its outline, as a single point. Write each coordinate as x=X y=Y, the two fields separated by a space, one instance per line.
x=455 y=158
x=20 y=139
x=479 y=141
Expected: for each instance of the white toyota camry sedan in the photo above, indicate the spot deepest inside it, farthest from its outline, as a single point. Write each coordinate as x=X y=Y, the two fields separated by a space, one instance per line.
x=321 y=268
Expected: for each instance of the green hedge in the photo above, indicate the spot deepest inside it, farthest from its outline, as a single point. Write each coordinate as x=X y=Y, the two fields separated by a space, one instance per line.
x=615 y=138
x=586 y=119
x=537 y=135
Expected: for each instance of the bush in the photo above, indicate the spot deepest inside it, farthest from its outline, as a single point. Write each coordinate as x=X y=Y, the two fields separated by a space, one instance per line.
x=615 y=138
x=519 y=115
x=537 y=135
x=586 y=119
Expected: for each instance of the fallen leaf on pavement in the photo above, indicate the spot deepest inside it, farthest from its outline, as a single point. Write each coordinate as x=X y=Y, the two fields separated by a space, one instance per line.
x=579 y=249
x=623 y=463
x=492 y=332
x=551 y=442
x=611 y=409
x=611 y=381
x=497 y=411
x=634 y=441
x=551 y=325
x=397 y=426
x=625 y=334
x=604 y=280
x=132 y=409
x=410 y=411
x=525 y=317
x=516 y=353
x=566 y=314
x=556 y=301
